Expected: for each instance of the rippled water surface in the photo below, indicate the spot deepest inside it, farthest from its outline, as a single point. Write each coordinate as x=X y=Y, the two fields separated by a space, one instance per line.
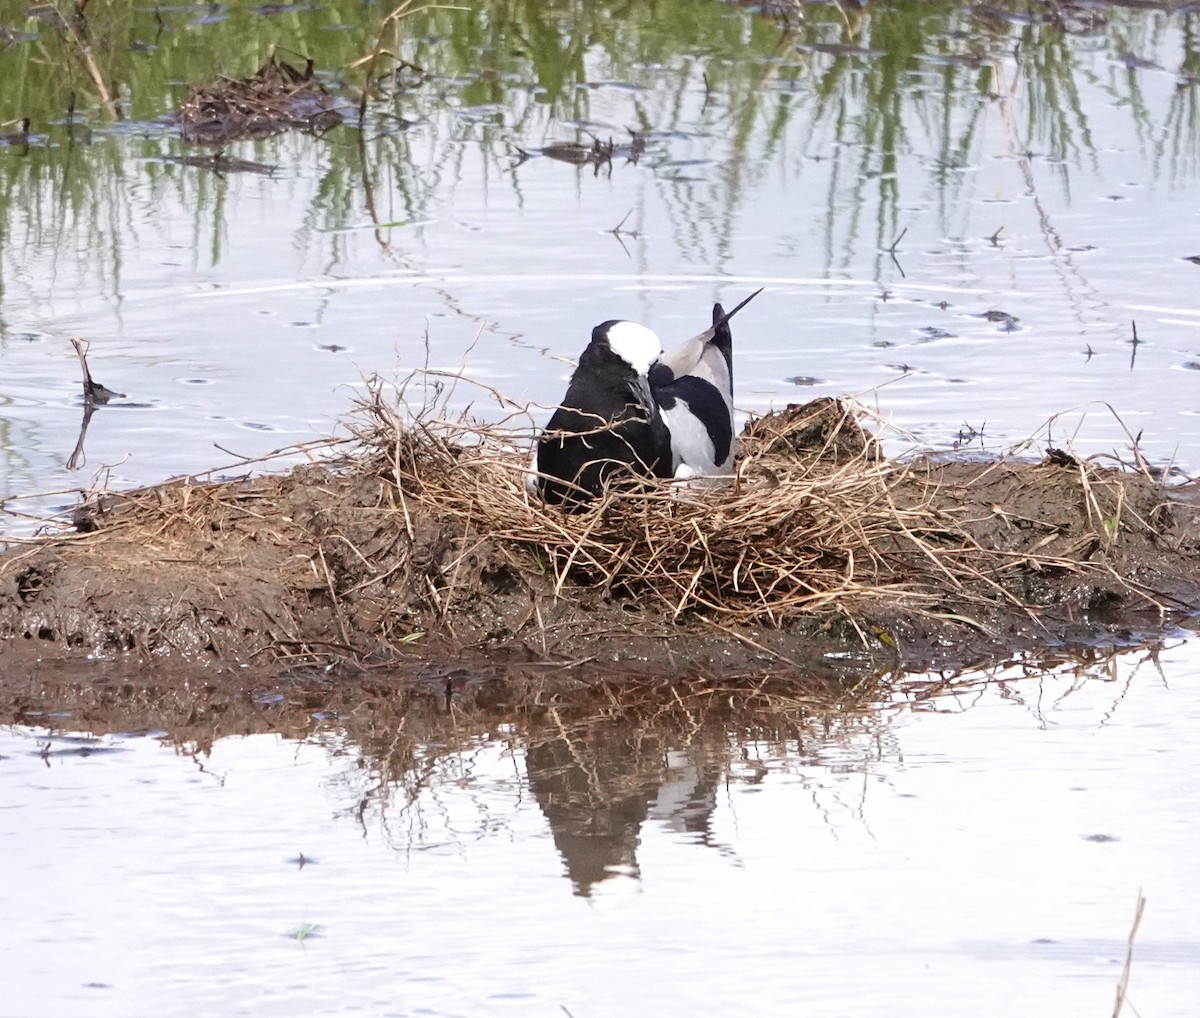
x=973 y=208
x=979 y=851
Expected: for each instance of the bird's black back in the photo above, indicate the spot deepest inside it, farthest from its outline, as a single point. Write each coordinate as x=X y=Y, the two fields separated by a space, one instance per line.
x=608 y=424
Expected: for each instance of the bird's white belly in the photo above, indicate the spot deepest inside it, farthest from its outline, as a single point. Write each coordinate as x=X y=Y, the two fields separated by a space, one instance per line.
x=692 y=448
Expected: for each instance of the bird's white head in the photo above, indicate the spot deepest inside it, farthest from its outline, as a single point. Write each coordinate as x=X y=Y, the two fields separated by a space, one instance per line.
x=636 y=345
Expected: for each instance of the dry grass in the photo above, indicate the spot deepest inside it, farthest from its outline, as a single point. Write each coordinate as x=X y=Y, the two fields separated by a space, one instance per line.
x=814 y=521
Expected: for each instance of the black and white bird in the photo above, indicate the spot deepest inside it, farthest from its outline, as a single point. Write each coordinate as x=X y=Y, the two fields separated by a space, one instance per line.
x=608 y=423
x=630 y=409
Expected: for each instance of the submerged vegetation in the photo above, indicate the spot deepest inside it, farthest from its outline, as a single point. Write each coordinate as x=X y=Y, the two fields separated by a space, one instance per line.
x=519 y=75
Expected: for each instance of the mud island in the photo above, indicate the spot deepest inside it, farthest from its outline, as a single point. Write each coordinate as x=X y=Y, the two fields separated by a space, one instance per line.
x=421 y=545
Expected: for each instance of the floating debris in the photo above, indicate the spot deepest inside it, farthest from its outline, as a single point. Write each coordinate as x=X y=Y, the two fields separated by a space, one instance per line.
x=220 y=164
x=1007 y=322
x=19 y=138
x=276 y=98
x=597 y=153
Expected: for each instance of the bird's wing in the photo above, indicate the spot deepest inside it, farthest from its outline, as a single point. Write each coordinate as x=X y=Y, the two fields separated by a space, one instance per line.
x=683 y=359
x=695 y=356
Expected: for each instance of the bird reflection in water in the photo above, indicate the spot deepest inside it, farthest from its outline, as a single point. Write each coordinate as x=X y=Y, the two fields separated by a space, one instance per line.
x=599 y=785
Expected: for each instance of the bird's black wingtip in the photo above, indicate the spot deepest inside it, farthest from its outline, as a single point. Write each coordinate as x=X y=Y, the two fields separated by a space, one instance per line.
x=721 y=316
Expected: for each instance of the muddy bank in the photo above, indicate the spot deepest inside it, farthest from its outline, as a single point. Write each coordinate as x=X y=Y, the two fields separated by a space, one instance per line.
x=422 y=550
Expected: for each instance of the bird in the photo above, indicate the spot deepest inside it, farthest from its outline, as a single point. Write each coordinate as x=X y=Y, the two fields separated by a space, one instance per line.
x=631 y=409
x=608 y=423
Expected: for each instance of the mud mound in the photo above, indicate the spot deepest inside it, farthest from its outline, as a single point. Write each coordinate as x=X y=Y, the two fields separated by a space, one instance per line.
x=423 y=543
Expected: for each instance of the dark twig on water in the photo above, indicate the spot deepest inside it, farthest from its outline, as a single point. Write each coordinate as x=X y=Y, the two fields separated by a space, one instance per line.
x=994 y=239
x=521 y=154
x=596 y=153
x=1134 y=343
x=618 y=232
x=94 y=395
x=93 y=391
x=892 y=252
x=219 y=164
x=968 y=433
x=578 y=153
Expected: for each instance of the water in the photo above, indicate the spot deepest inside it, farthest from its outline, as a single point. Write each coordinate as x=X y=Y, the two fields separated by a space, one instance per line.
x=890 y=176
x=1013 y=168
x=976 y=851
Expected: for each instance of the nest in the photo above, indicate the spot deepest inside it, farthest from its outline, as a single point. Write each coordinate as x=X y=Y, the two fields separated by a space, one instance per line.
x=276 y=98
x=815 y=521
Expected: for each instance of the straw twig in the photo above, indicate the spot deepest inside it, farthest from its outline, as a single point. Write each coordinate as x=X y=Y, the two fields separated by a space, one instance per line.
x=1123 y=985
